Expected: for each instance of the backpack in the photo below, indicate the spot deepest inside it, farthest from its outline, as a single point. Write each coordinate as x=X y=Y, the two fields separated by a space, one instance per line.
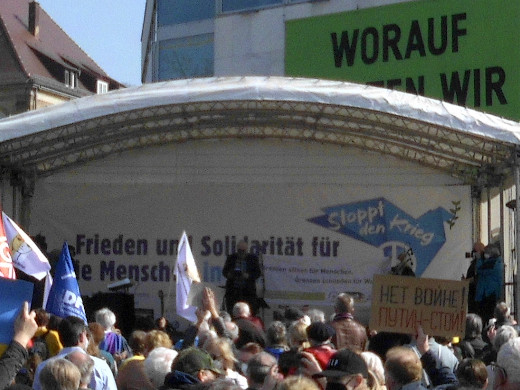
x=39 y=346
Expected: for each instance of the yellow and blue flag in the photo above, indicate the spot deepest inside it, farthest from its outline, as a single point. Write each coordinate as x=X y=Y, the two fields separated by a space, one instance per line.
x=26 y=255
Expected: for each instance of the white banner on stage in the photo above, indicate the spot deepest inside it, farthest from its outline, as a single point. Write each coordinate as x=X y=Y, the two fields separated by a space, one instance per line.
x=316 y=281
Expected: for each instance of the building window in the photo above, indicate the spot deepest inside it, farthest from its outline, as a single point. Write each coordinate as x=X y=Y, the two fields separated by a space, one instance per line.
x=101 y=86
x=71 y=78
x=240 y=5
x=186 y=57
x=183 y=11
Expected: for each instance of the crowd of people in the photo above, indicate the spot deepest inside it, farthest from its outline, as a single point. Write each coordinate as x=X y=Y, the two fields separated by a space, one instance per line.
x=299 y=349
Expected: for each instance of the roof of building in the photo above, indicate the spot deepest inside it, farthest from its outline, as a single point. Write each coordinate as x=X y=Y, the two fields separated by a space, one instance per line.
x=473 y=146
x=52 y=43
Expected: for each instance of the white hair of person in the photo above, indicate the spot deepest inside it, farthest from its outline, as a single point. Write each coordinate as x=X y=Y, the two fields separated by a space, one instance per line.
x=504 y=334
x=374 y=364
x=232 y=329
x=241 y=309
x=205 y=335
x=509 y=359
x=106 y=318
x=158 y=364
x=316 y=315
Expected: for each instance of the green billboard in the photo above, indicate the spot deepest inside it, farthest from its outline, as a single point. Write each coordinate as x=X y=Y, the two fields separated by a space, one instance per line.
x=460 y=51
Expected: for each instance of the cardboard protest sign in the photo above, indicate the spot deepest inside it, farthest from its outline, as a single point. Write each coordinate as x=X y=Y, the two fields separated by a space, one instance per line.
x=401 y=303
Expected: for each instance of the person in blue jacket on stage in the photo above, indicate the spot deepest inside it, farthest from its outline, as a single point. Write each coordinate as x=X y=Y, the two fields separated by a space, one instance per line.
x=490 y=281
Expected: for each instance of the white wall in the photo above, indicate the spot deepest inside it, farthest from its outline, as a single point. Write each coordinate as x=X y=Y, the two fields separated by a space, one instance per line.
x=253 y=43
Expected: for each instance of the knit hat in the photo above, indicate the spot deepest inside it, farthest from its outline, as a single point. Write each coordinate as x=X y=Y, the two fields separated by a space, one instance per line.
x=319 y=331
x=293 y=314
x=344 y=363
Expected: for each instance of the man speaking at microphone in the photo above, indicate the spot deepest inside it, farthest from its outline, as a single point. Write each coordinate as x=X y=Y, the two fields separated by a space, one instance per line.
x=241 y=270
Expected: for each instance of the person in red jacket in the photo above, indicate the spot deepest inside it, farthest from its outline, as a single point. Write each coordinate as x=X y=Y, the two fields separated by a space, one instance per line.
x=319 y=335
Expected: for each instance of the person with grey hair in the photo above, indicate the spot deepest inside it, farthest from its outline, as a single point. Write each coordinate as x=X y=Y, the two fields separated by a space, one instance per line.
x=85 y=365
x=114 y=343
x=503 y=335
x=473 y=346
x=248 y=331
x=498 y=338
x=60 y=374
x=348 y=332
x=316 y=315
x=276 y=339
x=158 y=364
x=509 y=359
x=259 y=367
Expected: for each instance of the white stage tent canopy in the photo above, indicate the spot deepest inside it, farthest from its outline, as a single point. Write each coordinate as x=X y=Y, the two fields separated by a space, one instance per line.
x=478 y=149
x=470 y=145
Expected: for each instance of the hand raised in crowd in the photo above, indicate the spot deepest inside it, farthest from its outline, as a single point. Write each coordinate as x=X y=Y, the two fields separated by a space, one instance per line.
x=422 y=341
x=492 y=333
x=311 y=367
x=272 y=379
x=25 y=325
x=209 y=303
x=201 y=314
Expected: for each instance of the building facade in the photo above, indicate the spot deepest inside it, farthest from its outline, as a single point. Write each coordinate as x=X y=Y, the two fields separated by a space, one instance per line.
x=41 y=65
x=186 y=38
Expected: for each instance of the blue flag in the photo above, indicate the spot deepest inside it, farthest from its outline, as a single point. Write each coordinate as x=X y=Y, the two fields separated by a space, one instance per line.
x=64 y=297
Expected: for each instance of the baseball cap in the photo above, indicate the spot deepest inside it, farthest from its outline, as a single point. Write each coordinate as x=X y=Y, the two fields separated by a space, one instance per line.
x=192 y=360
x=344 y=363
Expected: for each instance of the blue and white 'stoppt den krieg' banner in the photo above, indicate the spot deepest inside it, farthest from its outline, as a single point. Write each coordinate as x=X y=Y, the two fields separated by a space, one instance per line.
x=376 y=222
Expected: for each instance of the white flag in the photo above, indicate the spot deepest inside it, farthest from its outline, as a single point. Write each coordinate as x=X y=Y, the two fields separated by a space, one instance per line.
x=186 y=273
x=26 y=255
x=47 y=289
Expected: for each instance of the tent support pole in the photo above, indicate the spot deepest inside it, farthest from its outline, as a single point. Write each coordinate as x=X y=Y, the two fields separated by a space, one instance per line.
x=517 y=233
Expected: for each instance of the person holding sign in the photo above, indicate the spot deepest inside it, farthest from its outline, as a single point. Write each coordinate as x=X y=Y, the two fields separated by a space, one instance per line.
x=16 y=354
x=241 y=270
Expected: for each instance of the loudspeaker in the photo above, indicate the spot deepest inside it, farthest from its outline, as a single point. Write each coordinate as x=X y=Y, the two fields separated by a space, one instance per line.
x=121 y=304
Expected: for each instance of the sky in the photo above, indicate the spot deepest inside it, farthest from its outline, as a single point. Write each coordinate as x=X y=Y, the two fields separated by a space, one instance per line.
x=109 y=31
